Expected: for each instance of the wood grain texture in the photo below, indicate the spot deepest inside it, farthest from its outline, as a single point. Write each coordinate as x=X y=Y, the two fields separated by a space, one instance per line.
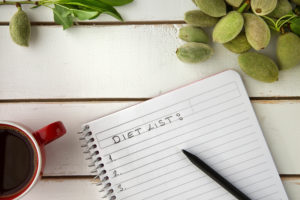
x=84 y=188
x=131 y=61
x=62 y=189
x=279 y=121
x=292 y=188
x=128 y=61
x=139 y=10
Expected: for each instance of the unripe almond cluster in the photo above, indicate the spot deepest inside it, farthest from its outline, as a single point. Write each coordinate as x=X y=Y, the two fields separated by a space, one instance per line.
x=242 y=25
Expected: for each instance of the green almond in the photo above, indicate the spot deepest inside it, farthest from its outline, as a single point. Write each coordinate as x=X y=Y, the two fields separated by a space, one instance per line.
x=258 y=66
x=263 y=7
x=283 y=7
x=214 y=8
x=199 y=18
x=234 y=3
x=288 y=50
x=19 y=28
x=193 y=52
x=228 y=27
x=193 y=34
x=239 y=44
x=257 y=31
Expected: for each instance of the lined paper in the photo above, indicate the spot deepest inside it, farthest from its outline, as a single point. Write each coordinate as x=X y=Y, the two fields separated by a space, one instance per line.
x=213 y=119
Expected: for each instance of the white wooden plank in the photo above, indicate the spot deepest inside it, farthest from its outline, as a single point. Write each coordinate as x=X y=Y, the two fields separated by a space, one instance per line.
x=279 y=122
x=114 y=61
x=292 y=187
x=62 y=189
x=78 y=189
x=139 y=10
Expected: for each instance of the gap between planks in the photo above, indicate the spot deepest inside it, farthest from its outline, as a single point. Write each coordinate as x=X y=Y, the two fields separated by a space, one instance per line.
x=104 y=23
x=88 y=100
x=283 y=177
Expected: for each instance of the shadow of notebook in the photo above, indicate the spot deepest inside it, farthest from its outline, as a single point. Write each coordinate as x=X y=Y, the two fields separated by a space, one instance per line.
x=137 y=151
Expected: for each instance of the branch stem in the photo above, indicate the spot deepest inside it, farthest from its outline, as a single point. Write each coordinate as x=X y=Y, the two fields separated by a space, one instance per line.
x=244 y=6
x=4 y=2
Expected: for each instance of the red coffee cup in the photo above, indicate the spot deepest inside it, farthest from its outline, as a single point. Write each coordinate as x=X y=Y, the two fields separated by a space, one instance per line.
x=22 y=156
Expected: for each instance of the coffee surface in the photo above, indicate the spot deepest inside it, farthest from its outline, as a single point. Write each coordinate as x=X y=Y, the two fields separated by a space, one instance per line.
x=17 y=163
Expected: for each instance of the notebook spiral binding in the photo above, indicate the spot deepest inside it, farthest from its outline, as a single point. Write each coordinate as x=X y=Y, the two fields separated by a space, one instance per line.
x=91 y=149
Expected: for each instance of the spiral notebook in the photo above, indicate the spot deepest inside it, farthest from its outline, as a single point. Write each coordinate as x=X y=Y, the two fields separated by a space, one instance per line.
x=137 y=155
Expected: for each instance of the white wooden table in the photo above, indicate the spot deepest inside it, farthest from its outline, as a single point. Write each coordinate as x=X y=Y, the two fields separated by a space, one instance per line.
x=102 y=66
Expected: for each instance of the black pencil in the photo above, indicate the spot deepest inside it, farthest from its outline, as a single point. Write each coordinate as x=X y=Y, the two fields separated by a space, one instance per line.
x=215 y=176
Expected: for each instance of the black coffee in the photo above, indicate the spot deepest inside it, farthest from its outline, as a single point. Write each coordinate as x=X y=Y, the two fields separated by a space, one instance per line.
x=17 y=161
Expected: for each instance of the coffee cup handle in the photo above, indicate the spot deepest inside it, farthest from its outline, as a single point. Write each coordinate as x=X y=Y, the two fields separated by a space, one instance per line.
x=50 y=133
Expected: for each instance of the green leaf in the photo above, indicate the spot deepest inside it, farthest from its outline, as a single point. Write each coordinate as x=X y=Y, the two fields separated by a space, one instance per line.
x=94 y=5
x=295 y=25
x=63 y=16
x=81 y=13
x=36 y=6
x=85 y=14
x=99 y=13
x=116 y=2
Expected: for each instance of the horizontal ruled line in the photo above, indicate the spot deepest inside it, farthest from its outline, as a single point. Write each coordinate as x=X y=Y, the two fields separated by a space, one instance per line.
x=257 y=181
x=178 y=144
x=207 y=108
x=162 y=184
x=155 y=170
x=174 y=137
x=234 y=148
x=255 y=157
x=257 y=173
x=195 y=187
x=208 y=91
x=169 y=164
x=270 y=194
x=253 y=166
x=260 y=189
x=188 y=107
x=182 y=185
x=203 y=193
x=224 y=169
x=218 y=196
x=240 y=154
x=196 y=171
x=158 y=176
x=192 y=147
x=147 y=163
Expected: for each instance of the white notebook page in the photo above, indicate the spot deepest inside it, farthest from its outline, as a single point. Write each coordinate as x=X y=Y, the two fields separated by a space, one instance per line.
x=213 y=119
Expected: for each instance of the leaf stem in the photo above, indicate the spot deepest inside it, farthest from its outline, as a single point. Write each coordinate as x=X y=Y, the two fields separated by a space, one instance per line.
x=243 y=6
x=286 y=21
x=270 y=20
x=279 y=24
x=281 y=18
x=4 y=2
